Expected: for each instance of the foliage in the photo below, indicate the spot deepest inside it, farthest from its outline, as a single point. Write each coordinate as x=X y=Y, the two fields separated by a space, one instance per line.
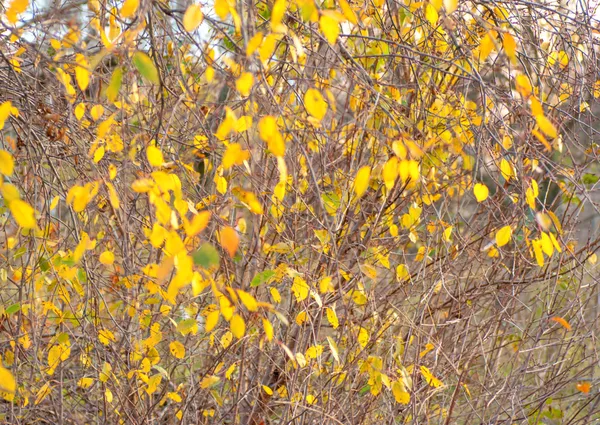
x=298 y=212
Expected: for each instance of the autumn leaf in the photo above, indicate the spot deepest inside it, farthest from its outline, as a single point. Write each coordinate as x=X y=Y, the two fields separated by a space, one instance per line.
x=146 y=67
x=23 y=214
x=503 y=236
x=234 y=155
x=315 y=104
x=192 y=18
x=7 y=163
x=481 y=192
x=237 y=326
x=177 y=349
x=361 y=181
x=155 y=156
x=229 y=240
x=129 y=8
x=7 y=381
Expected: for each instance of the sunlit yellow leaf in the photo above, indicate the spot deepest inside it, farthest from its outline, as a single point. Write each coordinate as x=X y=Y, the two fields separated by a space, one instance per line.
x=23 y=214
x=523 y=85
x=268 y=327
x=510 y=46
x=85 y=383
x=481 y=192
x=429 y=378
x=234 y=155
x=192 y=18
x=14 y=10
x=361 y=181
x=155 y=156
x=503 y=236
x=107 y=258
x=546 y=126
x=129 y=8
x=177 y=349
x=277 y=14
x=300 y=289
x=506 y=169
x=7 y=163
x=106 y=337
x=221 y=8
x=237 y=326
x=400 y=394
x=332 y=317
x=43 y=393
x=450 y=6
x=113 y=196
x=431 y=14
x=82 y=73
x=330 y=28
x=390 y=172
x=198 y=223
x=254 y=43
x=5 y=109
x=244 y=83
x=348 y=12
x=7 y=381
x=315 y=104
x=248 y=300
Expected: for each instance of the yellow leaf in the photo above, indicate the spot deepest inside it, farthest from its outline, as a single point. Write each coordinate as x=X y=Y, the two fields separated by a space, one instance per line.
x=221 y=8
x=192 y=18
x=506 y=169
x=332 y=317
x=348 y=12
x=561 y=322
x=450 y=6
x=254 y=43
x=244 y=83
x=7 y=381
x=481 y=192
x=7 y=163
x=14 y=10
x=431 y=14
x=330 y=28
x=510 y=47
x=43 y=393
x=334 y=349
x=82 y=74
x=198 y=223
x=54 y=202
x=267 y=47
x=113 y=196
x=486 y=45
x=107 y=258
x=402 y=272
x=390 y=172
x=229 y=240
x=536 y=107
x=234 y=155
x=300 y=289
x=363 y=337
x=277 y=14
x=546 y=244
x=301 y=318
x=237 y=326
x=209 y=381
x=400 y=394
x=129 y=8
x=106 y=337
x=361 y=181
x=546 y=126
x=523 y=85
x=248 y=300
x=430 y=379
x=537 y=251
x=267 y=390
x=23 y=213
x=96 y=112
x=177 y=349
x=315 y=104
x=155 y=156
x=268 y=327
x=85 y=383
x=5 y=109
x=212 y=319
x=503 y=235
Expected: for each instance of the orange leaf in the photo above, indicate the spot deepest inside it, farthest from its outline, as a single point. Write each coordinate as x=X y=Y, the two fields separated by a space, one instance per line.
x=584 y=387
x=562 y=322
x=229 y=240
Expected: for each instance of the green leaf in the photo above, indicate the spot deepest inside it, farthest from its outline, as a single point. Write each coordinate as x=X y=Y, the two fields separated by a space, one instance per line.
x=146 y=67
x=590 y=178
x=115 y=84
x=262 y=277
x=206 y=256
x=13 y=308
